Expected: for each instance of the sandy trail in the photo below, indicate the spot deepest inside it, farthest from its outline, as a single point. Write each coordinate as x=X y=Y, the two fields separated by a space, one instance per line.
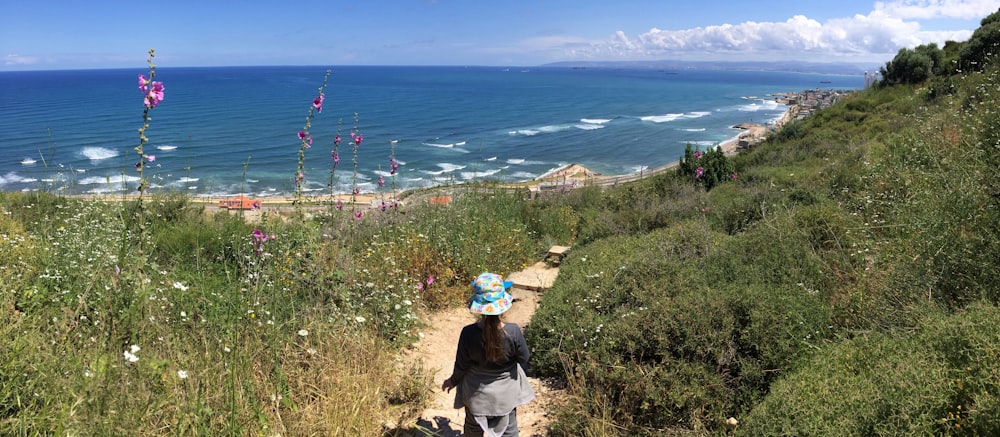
x=437 y=353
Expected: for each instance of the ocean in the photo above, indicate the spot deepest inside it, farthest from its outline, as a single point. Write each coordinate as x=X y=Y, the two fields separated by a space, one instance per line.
x=227 y=130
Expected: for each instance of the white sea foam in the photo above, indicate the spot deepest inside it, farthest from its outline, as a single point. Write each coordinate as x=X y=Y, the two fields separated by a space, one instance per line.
x=522 y=175
x=445 y=168
x=525 y=132
x=764 y=105
x=13 y=178
x=98 y=153
x=187 y=180
x=640 y=169
x=694 y=130
x=595 y=120
x=588 y=126
x=661 y=118
x=460 y=143
x=443 y=146
x=467 y=175
x=492 y=158
x=515 y=161
x=113 y=180
x=167 y=147
x=28 y=161
x=382 y=173
x=554 y=128
x=672 y=117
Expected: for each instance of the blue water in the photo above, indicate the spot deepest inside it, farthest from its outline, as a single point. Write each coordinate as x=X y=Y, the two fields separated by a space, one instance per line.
x=74 y=131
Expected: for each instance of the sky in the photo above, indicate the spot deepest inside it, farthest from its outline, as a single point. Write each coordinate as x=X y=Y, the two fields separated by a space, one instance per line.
x=79 y=34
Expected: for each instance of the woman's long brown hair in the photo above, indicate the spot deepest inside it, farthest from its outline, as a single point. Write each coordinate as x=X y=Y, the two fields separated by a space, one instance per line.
x=493 y=336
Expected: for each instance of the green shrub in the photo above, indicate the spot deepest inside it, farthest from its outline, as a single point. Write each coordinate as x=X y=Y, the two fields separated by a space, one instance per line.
x=938 y=380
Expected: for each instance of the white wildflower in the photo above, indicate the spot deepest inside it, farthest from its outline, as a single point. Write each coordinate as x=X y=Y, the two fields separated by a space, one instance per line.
x=359 y=319
x=303 y=333
x=182 y=374
x=180 y=286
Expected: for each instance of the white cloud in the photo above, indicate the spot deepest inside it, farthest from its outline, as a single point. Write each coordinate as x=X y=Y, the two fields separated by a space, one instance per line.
x=876 y=36
x=929 y=9
x=19 y=60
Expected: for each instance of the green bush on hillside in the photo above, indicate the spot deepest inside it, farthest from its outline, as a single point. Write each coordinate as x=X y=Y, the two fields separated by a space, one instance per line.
x=941 y=380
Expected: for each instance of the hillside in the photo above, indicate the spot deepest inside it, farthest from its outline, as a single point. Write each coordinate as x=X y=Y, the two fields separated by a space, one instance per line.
x=839 y=278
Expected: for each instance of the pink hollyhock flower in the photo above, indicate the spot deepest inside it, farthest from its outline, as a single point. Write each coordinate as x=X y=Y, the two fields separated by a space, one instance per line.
x=699 y=172
x=336 y=157
x=697 y=154
x=357 y=214
x=336 y=140
x=155 y=95
x=340 y=205
x=381 y=181
x=430 y=280
x=733 y=176
x=302 y=134
x=151 y=158
x=143 y=83
x=383 y=206
x=318 y=103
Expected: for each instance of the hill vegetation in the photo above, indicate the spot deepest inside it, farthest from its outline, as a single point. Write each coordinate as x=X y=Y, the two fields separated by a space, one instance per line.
x=840 y=278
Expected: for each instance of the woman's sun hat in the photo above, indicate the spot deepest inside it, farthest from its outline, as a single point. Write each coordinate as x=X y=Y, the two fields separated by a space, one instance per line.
x=489 y=295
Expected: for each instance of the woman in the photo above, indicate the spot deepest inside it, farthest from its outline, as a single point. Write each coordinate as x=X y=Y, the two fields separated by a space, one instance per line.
x=490 y=364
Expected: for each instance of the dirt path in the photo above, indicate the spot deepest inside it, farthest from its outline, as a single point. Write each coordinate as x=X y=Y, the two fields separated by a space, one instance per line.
x=437 y=352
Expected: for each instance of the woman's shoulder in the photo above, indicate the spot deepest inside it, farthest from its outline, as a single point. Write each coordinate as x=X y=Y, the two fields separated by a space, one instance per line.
x=511 y=327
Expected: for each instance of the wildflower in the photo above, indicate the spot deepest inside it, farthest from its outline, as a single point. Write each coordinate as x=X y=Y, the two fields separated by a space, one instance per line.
x=259 y=236
x=130 y=354
x=182 y=374
x=699 y=172
x=381 y=181
x=357 y=138
x=184 y=314
x=151 y=158
x=430 y=280
x=697 y=155
x=180 y=286
x=143 y=83
x=305 y=137
x=155 y=94
x=733 y=176
x=311 y=351
x=336 y=157
x=359 y=319
x=340 y=205
x=118 y=270
x=303 y=333
x=336 y=140
x=357 y=214
x=318 y=103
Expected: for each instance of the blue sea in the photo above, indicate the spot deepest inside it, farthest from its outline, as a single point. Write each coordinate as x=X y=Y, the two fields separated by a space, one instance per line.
x=226 y=130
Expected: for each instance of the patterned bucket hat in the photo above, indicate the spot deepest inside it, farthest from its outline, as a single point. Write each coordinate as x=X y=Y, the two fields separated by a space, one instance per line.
x=489 y=295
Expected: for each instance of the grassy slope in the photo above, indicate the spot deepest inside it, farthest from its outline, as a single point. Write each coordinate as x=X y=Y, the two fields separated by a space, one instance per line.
x=844 y=283
x=818 y=294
